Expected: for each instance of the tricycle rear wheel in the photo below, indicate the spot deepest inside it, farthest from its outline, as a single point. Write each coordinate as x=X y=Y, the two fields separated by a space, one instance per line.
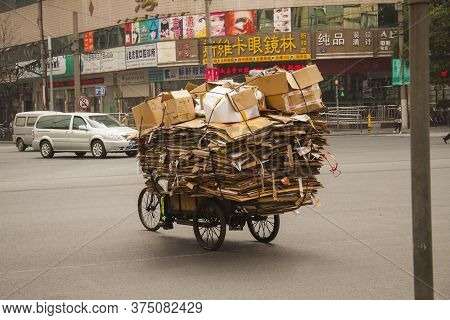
x=264 y=228
x=209 y=225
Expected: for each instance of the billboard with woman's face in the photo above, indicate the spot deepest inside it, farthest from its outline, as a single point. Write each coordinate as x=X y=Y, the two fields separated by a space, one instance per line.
x=240 y=22
x=217 y=24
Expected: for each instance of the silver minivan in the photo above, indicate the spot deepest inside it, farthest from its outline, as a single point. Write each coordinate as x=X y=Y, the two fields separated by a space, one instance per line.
x=23 y=128
x=80 y=133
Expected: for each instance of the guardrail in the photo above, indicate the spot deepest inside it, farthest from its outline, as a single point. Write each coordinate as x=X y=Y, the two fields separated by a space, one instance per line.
x=357 y=116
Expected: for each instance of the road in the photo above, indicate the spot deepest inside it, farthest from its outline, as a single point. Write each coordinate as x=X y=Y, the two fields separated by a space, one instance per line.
x=69 y=229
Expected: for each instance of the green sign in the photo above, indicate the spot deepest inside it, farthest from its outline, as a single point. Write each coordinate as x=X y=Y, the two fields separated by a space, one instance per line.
x=397 y=72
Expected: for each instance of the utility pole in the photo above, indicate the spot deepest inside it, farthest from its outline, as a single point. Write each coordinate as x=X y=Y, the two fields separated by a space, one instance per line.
x=336 y=83
x=76 y=59
x=420 y=148
x=403 y=99
x=50 y=58
x=43 y=57
x=209 y=57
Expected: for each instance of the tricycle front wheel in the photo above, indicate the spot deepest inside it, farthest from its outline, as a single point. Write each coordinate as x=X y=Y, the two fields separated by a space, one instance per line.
x=149 y=209
x=263 y=228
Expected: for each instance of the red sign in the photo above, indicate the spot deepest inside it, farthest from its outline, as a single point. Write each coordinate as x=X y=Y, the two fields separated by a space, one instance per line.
x=83 y=103
x=88 y=41
x=212 y=74
x=84 y=82
x=444 y=74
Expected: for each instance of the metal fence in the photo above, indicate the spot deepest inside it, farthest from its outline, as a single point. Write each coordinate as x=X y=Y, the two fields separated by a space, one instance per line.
x=355 y=117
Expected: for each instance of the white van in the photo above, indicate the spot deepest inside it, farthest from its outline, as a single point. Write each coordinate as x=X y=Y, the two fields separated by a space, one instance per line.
x=23 y=128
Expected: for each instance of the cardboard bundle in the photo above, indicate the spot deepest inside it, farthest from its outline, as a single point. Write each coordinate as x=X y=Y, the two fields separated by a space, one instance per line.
x=266 y=162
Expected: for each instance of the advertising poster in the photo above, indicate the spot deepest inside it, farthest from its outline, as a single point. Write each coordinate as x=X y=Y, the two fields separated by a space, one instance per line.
x=164 y=29
x=200 y=26
x=176 y=24
x=217 y=24
x=143 y=31
x=88 y=38
x=141 y=56
x=282 y=20
x=128 y=28
x=135 y=36
x=240 y=22
x=103 y=61
x=149 y=30
x=188 y=27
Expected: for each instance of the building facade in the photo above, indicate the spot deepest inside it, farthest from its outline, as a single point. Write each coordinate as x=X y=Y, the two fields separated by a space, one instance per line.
x=130 y=52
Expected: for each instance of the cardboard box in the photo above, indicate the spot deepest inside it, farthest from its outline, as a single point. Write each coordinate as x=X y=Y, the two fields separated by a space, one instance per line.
x=277 y=83
x=148 y=114
x=224 y=105
x=203 y=88
x=179 y=107
x=307 y=76
x=182 y=202
x=299 y=101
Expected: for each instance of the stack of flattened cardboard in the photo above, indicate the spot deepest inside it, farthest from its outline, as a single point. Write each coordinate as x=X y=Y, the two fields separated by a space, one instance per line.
x=267 y=163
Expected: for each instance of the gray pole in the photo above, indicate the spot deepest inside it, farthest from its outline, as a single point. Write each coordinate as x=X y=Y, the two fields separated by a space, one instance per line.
x=43 y=56
x=209 y=56
x=336 y=82
x=403 y=100
x=50 y=57
x=420 y=148
x=76 y=59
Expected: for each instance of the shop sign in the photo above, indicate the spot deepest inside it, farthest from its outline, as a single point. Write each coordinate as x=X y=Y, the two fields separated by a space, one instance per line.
x=100 y=91
x=58 y=64
x=133 y=77
x=84 y=82
x=177 y=73
x=187 y=50
x=168 y=52
x=141 y=56
x=397 y=78
x=212 y=74
x=354 y=42
x=88 y=38
x=103 y=61
x=260 y=48
x=226 y=71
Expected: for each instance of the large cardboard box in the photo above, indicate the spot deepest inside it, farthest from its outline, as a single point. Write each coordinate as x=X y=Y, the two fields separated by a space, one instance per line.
x=299 y=101
x=148 y=114
x=179 y=107
x=277 y=83
x=307 y=76
x=174 y=106
x=224 y=105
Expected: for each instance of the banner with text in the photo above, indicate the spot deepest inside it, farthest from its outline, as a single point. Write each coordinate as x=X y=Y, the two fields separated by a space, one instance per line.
x=141 y=56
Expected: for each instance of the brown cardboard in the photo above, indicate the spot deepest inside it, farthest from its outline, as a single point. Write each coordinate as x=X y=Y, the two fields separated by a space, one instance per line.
x=179 y=107
x=244 y=99
x=182 y=202
x=190 y=86
x=235 y=130
x=148 y=114
x=277 y=83
x=307 y=76
x=203 y=88
x=299 y=101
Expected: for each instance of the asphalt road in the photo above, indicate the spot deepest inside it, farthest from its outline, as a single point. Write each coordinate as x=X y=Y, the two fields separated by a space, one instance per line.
x=69 y=229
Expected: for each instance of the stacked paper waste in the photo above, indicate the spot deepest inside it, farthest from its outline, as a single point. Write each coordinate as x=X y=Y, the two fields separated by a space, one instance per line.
x=259 y=145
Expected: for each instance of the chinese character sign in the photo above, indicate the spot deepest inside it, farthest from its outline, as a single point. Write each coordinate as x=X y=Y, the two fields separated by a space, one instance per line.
x=385 y=38
x=88 y=38
x=282 y=20
x=240 y=22
x=260 y=48
x=188 y=27
x=351 y=42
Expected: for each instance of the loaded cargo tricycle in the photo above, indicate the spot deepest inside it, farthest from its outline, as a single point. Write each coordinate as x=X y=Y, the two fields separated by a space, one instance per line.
x=208 y=216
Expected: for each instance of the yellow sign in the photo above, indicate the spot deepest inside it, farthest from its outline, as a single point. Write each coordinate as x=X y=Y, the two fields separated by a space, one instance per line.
x=260 y=48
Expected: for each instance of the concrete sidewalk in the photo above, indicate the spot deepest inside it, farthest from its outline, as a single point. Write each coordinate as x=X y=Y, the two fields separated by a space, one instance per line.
x=435 y=132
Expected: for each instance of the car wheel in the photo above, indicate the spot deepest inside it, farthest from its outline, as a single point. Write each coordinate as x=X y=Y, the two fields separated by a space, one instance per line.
x=47 y=149
x=98 y=149
x=80 y=154
x=21 y=146
x=131 y=153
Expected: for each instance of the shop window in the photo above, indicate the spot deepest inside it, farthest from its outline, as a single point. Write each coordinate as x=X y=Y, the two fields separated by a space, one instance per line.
x=106 y=38
x=300 y=18
x=265 y=21
x=369 y=16
x=387 y=16
x=352 y=16
x=318 y=18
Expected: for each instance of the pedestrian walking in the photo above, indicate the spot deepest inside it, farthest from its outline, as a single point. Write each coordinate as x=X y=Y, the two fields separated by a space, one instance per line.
x=398 y=120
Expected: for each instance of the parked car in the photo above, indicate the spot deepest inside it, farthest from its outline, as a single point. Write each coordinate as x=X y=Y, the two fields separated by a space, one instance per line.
x=23 y=128
x=80 y=133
